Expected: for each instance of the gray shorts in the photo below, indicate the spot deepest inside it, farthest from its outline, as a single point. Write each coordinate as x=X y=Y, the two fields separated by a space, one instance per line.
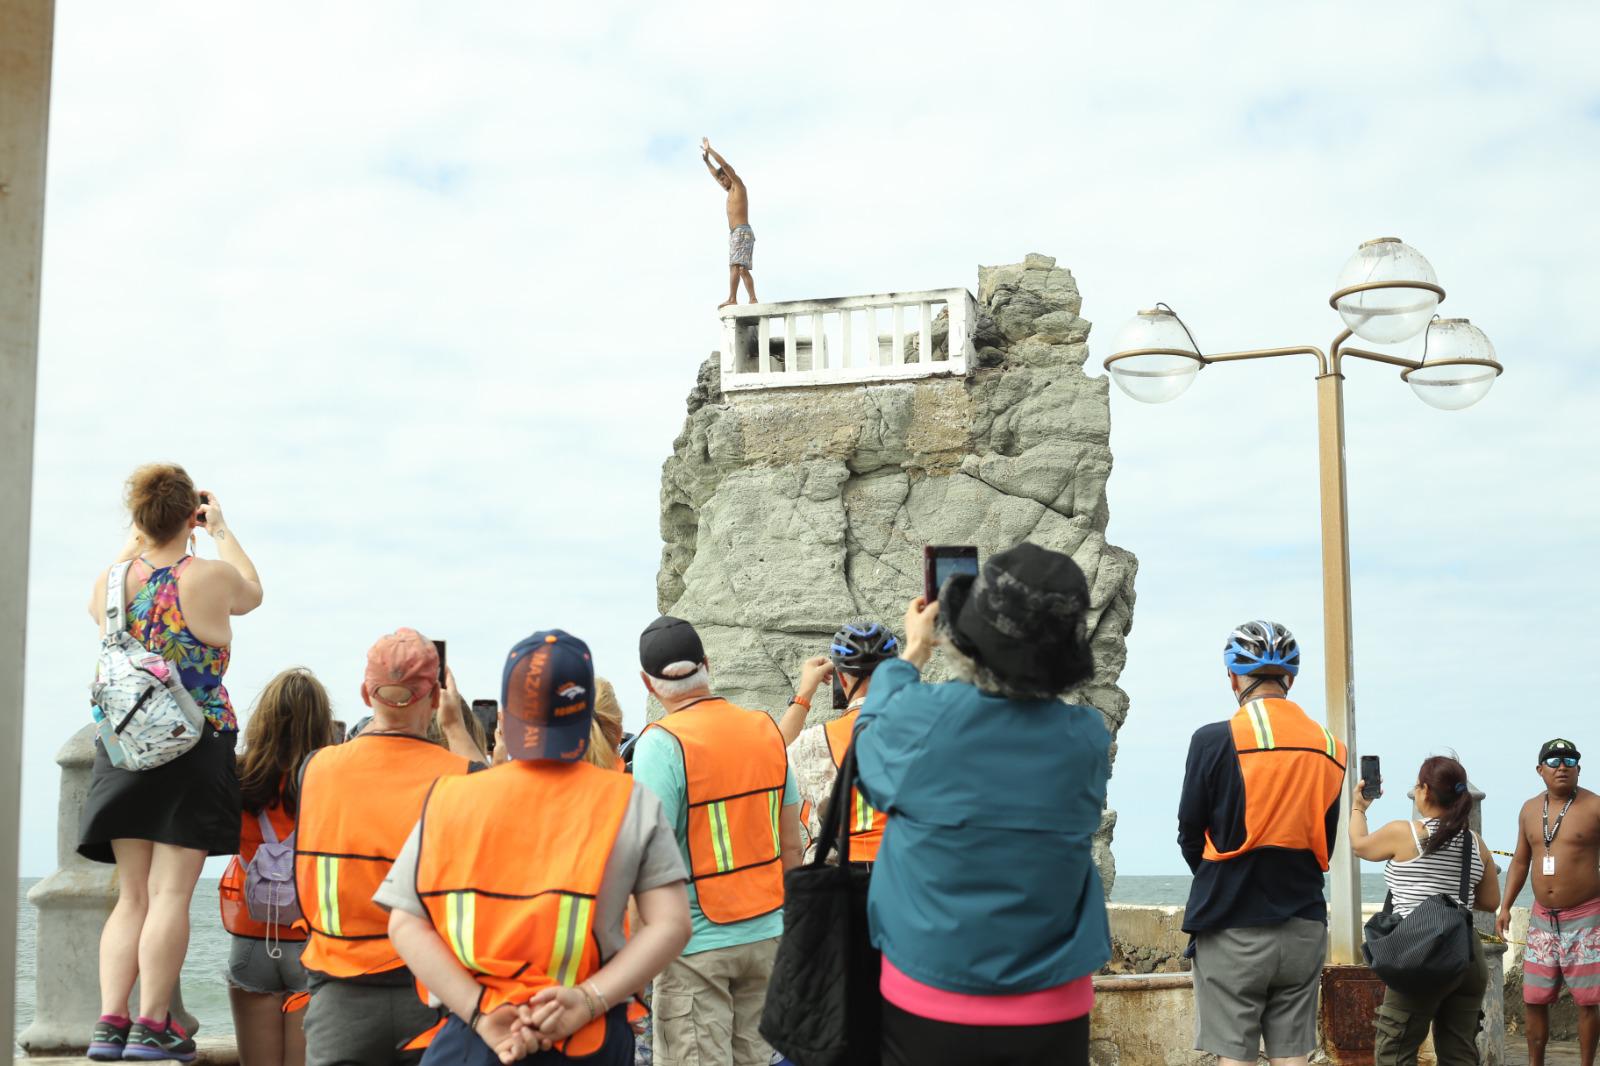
x=741 y=246
x=350 y=1024
x=1259 y=984
x=252 y=969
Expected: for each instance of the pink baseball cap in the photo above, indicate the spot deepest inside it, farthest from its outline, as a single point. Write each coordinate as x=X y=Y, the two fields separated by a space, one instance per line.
x=404 y=659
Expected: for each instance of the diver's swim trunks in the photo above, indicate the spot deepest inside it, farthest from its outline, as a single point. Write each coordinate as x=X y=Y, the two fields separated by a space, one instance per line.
x=1563 y=947
x=741 y=246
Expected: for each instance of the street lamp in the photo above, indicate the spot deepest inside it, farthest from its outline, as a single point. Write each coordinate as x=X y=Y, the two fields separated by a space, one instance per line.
x=1387 y=294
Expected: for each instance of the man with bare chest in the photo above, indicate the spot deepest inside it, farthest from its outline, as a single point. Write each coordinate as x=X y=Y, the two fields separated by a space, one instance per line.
x=1559 y=839
x=741 y=238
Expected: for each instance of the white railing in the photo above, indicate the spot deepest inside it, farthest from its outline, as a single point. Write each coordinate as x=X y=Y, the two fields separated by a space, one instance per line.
x=824 y=342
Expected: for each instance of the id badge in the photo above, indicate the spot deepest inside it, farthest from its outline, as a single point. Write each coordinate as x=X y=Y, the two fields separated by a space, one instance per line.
x=1549 y=865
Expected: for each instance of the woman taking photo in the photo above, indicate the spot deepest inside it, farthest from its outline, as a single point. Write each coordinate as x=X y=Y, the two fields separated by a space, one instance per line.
x=985 y=900
x=1423 y=858
x=159 y=825
x=291 y=719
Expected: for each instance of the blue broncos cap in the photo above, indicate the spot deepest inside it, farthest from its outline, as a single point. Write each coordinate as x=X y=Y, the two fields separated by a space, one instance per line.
x=547 y=693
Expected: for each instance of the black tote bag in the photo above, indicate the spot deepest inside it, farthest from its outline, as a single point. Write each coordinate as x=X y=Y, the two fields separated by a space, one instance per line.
x=823 y=1006
x=1428 y=949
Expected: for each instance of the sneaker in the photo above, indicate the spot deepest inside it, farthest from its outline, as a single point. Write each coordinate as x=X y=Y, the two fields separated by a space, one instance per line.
x=168 y=1042
x=110 y=1037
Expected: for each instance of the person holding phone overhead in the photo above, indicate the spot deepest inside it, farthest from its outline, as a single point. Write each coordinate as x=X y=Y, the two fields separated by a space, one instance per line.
x=1257 y=819
x=159 y=825
x=1558 y=838
x=985 y=899
x=1422 y=859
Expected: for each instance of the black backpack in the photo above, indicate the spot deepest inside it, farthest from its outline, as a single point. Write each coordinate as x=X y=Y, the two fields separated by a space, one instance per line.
x=1430 y=948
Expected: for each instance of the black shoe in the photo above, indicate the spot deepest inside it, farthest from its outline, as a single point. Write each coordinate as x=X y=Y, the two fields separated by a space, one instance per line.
x=108 y=1040
x=172 y=1042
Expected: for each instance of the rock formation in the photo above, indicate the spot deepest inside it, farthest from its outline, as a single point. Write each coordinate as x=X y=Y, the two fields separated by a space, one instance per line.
x=788 y=511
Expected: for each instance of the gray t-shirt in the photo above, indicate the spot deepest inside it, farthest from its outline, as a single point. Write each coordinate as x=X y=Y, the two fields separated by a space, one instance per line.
x=645 y=856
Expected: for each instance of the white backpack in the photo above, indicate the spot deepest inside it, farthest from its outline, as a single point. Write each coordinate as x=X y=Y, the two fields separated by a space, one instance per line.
x=144 y=715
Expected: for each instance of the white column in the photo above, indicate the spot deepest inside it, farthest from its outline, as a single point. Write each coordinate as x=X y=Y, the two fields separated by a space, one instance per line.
x=791 y=352
x=925 y=339
x=764 y=345
x=897 y=353
x=958 y=334
x=25 y=50
x=844 y=336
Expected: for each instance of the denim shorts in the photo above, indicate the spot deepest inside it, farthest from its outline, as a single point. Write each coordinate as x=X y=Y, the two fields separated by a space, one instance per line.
x=252 y=969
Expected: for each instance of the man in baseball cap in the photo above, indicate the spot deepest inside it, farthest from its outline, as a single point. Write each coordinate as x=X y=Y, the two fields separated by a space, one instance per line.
x=1558 y=843
x=511 y=893
x=721 y=772
x=547 y=692
x=358 y=801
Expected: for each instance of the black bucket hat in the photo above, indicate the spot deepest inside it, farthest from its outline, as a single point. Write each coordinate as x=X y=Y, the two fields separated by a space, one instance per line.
x=1022 y=617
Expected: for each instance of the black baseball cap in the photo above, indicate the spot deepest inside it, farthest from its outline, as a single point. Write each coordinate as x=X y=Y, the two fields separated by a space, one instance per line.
x=667 y=642
x=547 y=692
x=1559 y=746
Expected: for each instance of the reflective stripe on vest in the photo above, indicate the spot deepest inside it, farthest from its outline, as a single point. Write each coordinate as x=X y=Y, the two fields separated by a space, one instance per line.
x=1293 y=769
x=734 y=769
x=513 y=895
x=358 y=803
x=230 y=891
x=866 y=822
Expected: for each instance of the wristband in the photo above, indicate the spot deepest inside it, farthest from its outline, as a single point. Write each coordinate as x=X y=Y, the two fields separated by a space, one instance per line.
x=588 y=1001
x=802 y=702
x=605 y=1008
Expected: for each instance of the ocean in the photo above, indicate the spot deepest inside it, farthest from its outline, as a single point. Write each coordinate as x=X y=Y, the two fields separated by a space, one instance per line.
x=205 y=992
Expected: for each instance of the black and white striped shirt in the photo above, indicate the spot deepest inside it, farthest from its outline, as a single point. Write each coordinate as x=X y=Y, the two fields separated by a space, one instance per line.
x=1411 y=881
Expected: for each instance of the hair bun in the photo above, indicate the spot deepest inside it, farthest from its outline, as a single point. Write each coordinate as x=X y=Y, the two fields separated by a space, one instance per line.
x=161 y=498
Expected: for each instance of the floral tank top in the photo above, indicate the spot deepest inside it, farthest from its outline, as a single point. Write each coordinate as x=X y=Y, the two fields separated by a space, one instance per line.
x=156 y=620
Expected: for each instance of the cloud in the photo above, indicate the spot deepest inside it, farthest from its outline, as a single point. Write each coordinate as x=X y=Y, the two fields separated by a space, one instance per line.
x=419 y=294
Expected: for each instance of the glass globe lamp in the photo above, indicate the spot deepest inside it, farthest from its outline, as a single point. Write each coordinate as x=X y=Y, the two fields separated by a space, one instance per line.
x=1459 y=367
x=1387 y=292
x=1153 y=359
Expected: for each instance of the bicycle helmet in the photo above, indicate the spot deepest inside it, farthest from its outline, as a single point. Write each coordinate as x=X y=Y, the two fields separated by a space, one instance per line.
x=1261 y=648
x=858 y=647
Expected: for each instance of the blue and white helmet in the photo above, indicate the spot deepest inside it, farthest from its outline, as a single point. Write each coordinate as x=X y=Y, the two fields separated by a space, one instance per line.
x=1262 y=648
x=858 y=647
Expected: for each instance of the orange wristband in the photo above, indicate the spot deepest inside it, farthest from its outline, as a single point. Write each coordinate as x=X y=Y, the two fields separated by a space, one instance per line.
x=804 y=703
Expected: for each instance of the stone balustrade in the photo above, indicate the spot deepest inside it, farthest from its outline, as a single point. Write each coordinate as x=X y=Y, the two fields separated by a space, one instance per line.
x=843 y=340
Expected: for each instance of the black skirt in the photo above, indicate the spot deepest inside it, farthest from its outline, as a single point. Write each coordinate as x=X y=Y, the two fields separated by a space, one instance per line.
x=191 y=802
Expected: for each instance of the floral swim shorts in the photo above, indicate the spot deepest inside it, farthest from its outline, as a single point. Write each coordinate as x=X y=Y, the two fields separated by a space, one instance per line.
x=741 y=246
x=1563 y=947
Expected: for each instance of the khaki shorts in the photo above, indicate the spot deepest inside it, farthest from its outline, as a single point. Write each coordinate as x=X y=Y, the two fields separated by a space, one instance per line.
x=706 y=1007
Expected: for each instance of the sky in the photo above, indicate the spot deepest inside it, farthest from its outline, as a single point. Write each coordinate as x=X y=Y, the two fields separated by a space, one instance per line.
x=417 y=292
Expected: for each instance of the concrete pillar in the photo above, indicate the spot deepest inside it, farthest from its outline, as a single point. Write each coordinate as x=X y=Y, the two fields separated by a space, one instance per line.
x=73 y=903
x=25 y=48
x=1492 y=1040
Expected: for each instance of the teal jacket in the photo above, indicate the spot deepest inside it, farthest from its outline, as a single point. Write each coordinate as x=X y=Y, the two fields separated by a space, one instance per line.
x=984 y=882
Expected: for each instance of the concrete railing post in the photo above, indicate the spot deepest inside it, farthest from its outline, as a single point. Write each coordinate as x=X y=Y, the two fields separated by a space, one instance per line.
x=1492 y=1039
x=72 y=904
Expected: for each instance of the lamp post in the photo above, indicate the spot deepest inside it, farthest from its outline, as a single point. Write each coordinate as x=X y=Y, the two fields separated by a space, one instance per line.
x=1387 y=294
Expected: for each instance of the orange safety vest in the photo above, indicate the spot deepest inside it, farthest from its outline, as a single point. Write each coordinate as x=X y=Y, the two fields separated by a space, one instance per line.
x=1293 y=769
x=358 y=803
x=735 y=768
x=866 y=822
x=235 y=912
x=509 y=868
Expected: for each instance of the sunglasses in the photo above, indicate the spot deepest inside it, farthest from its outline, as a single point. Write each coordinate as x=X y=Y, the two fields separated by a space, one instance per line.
x=1557 y=761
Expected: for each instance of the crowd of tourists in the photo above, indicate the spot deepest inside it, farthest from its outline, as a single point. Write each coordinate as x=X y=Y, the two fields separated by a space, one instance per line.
x=541 y=888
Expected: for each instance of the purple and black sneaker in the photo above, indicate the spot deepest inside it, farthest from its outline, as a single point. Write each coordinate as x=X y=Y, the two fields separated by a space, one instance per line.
x=110 y=1037
x=147 y=1042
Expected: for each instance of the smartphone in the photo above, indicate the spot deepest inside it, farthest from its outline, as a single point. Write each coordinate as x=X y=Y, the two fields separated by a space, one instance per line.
x=841 y=701
x=438 y=646
x=941 y=561
x=1372 y=775
x=488 y=714
x=205 y=498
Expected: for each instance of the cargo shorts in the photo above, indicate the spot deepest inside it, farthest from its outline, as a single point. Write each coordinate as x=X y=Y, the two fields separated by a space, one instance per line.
x=706 y=1007
x=1256 y=986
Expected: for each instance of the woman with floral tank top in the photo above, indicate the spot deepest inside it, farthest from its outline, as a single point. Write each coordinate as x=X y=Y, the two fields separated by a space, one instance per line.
x=159 y=825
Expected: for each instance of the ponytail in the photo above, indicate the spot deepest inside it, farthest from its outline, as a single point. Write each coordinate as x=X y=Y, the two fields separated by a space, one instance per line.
x=1447 y=785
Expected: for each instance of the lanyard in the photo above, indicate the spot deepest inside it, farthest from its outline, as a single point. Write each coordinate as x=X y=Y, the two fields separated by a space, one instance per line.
x=1550 y=834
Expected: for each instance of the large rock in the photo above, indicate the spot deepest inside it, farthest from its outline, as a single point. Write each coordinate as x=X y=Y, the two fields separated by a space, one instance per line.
x=785 y=512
